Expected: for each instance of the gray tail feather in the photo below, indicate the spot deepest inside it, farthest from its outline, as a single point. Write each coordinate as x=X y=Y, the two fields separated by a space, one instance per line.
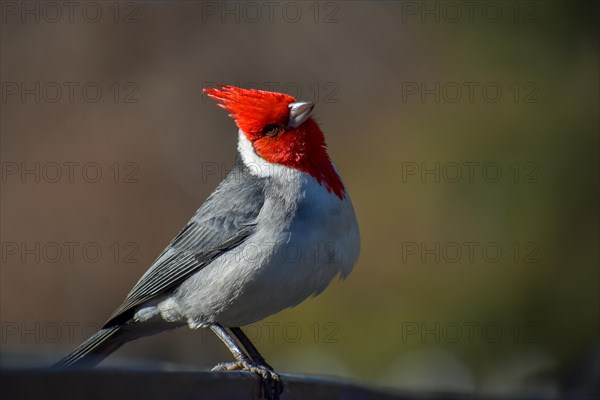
x=95 y=349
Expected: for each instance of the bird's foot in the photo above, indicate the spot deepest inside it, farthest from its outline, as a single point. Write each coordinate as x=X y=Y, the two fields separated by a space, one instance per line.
x=271 y=382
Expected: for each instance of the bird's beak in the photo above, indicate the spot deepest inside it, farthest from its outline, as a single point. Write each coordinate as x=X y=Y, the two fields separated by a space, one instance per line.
x=300 y=111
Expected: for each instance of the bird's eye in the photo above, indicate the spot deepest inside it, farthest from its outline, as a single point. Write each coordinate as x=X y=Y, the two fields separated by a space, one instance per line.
x=271 y=130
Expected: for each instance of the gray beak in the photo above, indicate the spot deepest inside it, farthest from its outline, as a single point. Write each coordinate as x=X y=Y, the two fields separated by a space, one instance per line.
x=300 y=111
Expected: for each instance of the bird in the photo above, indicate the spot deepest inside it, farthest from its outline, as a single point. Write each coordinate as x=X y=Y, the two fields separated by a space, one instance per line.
x=277 y=230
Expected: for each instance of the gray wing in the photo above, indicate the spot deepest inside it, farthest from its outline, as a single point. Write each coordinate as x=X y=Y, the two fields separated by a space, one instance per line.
x=224 y=221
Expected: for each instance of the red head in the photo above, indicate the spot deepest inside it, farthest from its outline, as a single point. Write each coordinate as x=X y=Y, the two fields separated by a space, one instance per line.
x=281 y=131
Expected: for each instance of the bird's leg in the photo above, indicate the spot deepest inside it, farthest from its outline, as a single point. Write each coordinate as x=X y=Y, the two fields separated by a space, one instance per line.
x=271 y=383
x=252 y=351
x=233 y=347
x=255 y=355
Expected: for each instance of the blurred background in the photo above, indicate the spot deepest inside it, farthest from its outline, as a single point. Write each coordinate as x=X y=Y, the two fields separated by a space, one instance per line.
x=467 y=136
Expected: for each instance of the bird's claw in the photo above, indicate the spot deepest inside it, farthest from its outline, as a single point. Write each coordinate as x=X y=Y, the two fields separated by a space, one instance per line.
x=271 y=382
x=228 y=366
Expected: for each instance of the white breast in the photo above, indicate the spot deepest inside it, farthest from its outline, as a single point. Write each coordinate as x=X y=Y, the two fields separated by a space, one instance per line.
x=305 y=236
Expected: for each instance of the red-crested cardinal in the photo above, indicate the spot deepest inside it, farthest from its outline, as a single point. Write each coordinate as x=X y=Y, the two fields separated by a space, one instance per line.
x=275 y=231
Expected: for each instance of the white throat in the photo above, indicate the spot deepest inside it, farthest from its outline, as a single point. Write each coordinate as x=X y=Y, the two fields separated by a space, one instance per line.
x=256 y=164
